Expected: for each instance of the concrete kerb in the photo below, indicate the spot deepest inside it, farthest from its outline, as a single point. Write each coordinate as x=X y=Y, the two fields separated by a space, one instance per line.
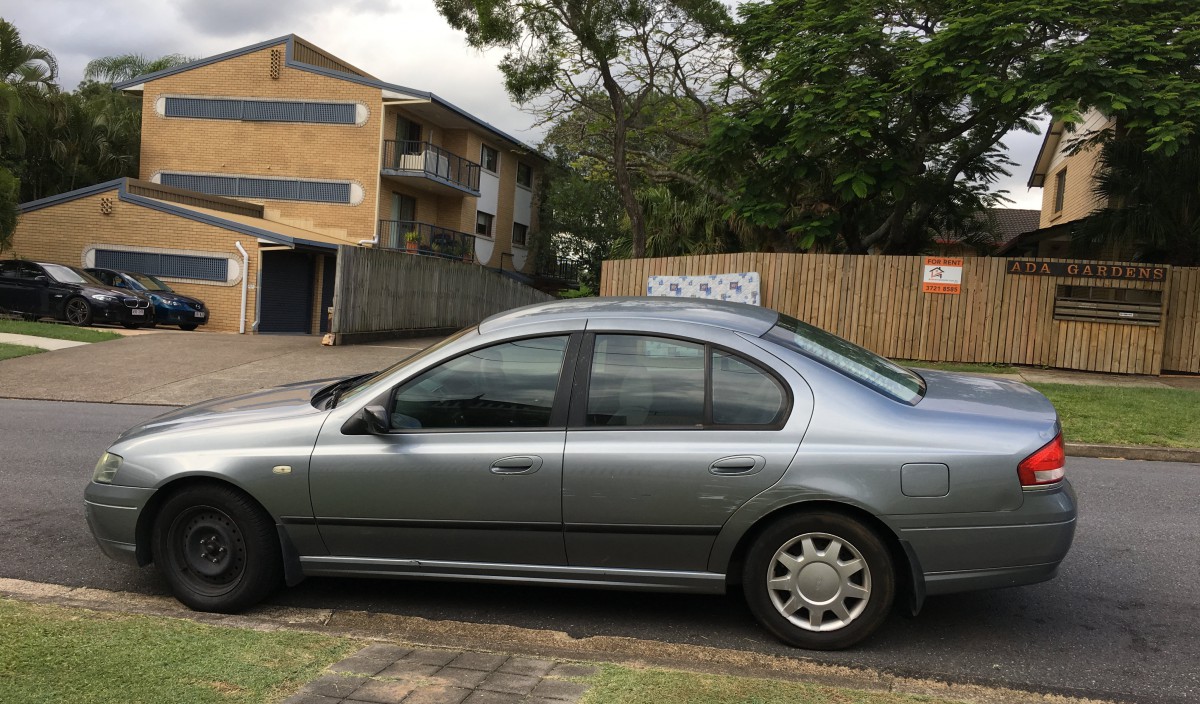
x=499 y=638
x=1134 y=452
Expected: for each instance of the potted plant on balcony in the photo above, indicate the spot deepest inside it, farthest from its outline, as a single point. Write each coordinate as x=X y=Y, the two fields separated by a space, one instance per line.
x=413 y=240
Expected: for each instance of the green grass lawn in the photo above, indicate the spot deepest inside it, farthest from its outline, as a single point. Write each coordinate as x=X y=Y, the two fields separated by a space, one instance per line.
x=58 y=332
x=56 y=654
x=959 y=366
x=624 y=685
x=1109 y=415
x=10 y=351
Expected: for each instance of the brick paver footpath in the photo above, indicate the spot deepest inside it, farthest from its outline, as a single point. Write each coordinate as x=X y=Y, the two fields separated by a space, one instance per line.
x=390 y=674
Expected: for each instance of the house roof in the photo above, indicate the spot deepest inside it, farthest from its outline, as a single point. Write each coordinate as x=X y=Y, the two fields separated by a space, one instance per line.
x=276 y=232
x=1010 y=223
x=1041 y=165
x=349 y=73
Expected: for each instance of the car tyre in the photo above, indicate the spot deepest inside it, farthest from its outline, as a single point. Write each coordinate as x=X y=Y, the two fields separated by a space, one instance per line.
x=187 y=327
x=821 y=581
x=217 y=549
x=78 y=312
x=131 y=326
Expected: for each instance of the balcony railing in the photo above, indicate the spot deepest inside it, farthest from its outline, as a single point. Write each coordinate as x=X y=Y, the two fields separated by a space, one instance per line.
x=566 y=270
x=406 y=156
x=426 y=239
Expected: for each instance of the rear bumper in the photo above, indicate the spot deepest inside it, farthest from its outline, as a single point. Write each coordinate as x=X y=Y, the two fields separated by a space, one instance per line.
x=112 y=514
x=1002 y=549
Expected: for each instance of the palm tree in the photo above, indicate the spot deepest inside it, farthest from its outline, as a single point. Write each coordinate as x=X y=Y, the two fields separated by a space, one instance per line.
x=123 y=67
x=1153 y=203
x=28 y=75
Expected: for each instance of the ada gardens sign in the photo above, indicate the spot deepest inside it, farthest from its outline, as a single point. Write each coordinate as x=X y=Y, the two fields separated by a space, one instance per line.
x=1088 y=270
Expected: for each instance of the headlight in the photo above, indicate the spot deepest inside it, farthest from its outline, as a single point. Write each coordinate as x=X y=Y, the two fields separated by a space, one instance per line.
x=102 y=297
x=106 y=468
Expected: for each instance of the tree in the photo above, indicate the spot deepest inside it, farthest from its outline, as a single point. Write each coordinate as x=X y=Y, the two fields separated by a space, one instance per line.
x=580 y=216
x=124 y=67
x=609 y=59
x=878 y=118
x=29 y=73
x=9 y=198
x=1153 y=201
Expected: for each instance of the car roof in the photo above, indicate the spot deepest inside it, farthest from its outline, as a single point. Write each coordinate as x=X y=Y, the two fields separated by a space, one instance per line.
x=739 y=317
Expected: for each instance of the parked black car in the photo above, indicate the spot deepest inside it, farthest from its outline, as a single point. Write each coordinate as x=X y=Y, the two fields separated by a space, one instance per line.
x=43 y=290
x=170 y=308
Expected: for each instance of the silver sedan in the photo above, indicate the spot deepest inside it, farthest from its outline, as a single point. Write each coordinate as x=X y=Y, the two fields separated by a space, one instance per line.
x=653 y=444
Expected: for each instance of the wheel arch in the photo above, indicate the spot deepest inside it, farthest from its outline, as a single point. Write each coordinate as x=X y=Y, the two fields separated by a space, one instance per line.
x=910 y=579
x=148 y=516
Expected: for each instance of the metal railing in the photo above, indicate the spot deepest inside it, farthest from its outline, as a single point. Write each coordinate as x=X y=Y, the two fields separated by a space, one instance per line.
x=426 y=239
x=559 y=268
x=431 y=160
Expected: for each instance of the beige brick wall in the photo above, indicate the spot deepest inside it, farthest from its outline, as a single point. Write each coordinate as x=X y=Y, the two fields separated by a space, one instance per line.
x=344 y=152
x=61 y=234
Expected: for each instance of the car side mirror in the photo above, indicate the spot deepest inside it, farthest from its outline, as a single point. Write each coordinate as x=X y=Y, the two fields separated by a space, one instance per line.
x=41 y=279
x=371 y=420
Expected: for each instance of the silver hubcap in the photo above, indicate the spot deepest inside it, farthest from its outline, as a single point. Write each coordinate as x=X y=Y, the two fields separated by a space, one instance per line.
x=819 y=582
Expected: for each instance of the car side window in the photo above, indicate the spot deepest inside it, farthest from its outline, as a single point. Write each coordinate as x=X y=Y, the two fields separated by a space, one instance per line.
x=103 y=276
x=30 y=272
x=743 y=394
x=9 y=270
x=646 y=382
x=509 y=385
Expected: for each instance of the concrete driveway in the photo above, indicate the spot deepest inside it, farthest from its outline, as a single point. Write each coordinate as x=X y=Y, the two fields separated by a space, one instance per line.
x=175 y=368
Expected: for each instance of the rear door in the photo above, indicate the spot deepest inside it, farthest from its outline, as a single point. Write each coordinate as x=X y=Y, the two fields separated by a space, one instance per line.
x=668 y=437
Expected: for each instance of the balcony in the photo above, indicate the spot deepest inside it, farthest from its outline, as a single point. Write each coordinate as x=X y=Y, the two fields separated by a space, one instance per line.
x=425 y=239
x=428 y=166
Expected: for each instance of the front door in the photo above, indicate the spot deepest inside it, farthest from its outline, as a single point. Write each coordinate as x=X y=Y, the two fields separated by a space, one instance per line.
x=470 y=470
x=672 y=437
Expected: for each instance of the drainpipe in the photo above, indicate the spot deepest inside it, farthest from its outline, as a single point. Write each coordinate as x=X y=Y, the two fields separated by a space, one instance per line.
x=245 y=283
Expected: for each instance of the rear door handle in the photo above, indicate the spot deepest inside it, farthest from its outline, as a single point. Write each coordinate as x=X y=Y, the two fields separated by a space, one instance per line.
x=523 y=464
x=737 y=466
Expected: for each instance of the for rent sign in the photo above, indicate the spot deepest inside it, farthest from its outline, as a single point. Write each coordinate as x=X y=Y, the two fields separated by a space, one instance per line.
x=1088 y=270
x=942 y=275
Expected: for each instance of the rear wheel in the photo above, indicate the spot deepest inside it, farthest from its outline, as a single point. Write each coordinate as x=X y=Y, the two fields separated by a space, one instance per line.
x=821 y=581
x=217 y=549
x=131 y=326
x=78 y=312
x=187 y=326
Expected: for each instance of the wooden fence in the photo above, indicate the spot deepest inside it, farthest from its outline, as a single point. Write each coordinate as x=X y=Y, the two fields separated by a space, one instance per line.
x=998 y=317
x=380 y=292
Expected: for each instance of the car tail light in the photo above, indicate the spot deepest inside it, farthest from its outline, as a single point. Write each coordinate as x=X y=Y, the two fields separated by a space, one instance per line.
x=1044 y=466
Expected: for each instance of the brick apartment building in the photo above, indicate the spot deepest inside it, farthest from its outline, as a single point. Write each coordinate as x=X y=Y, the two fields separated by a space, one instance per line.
x=284 y=151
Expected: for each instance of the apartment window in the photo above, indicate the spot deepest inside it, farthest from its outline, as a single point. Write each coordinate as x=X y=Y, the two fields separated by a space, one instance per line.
x=524 y=175
x=520 y=232
x=490 y=159
x=483 y=223
x=262 y=110
x=265 y=188
x=1060 y=189
x=178 y=266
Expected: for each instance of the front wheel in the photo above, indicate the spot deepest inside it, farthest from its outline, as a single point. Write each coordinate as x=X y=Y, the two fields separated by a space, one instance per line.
x=187 y=327
x=217 y=549
x=131 y=326
x=78 y=312
x=820 y=581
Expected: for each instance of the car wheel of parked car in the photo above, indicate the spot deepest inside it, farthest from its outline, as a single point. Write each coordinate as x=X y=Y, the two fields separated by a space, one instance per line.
x=821 y=581
x=188 y=327
x=217 y=549
x=131 y=326
x=78 y=312
x=29 y=317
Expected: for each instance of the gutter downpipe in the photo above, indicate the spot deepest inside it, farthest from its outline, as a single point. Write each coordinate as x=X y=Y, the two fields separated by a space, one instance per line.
x=245 y=283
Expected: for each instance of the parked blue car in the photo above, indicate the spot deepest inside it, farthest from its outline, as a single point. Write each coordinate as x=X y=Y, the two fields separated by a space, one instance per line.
x=170 y=308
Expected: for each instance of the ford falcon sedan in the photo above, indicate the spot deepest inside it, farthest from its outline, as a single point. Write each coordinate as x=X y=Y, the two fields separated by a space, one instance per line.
x=654 y=444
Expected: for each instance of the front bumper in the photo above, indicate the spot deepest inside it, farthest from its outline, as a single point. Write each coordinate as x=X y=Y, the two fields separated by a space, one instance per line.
x=1001 y=549
x=112 y=514
x=105 y=312
x=179 y=316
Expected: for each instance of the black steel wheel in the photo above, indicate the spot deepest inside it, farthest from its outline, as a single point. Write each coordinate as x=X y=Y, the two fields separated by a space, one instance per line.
x=78 y=312
x=216 y=548
x=821 y=581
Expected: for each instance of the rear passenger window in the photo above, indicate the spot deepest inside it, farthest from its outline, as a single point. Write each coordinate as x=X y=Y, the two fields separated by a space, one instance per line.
x=744 y=394
x=646 y=382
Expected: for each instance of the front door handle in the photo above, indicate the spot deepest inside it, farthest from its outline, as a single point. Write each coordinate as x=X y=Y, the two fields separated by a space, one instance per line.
x=737 y=466
x=524 y=464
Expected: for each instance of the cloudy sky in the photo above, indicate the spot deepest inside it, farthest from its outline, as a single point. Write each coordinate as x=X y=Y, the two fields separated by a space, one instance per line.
x=400 y=41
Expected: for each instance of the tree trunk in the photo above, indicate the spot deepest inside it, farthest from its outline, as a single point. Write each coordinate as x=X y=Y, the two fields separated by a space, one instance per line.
x=637 y=219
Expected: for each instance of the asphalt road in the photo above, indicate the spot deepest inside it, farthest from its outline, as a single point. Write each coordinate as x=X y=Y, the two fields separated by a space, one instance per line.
x=1121 y=621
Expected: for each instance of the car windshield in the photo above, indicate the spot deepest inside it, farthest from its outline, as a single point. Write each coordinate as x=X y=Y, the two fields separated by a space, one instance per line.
x=70 y=275
x=859 y=364
x=149 y=283
x=368 y=381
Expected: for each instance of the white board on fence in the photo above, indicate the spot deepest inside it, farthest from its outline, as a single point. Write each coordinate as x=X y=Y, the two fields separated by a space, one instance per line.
x=739 y=287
